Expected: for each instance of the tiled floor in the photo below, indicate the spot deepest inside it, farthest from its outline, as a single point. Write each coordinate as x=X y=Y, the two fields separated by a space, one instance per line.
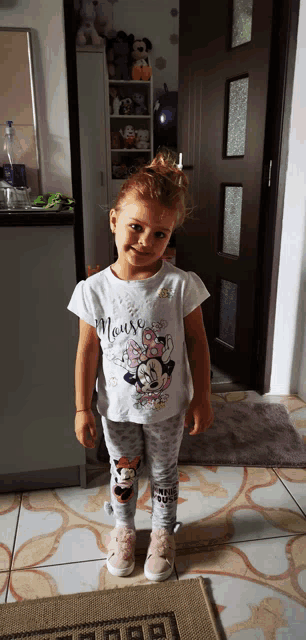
x=244 y=532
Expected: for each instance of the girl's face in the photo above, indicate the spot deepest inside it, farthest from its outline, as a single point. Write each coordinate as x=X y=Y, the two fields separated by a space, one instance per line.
x=142 y=232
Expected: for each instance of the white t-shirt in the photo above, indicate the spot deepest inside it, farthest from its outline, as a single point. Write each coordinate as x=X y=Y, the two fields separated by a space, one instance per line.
x=145 y=375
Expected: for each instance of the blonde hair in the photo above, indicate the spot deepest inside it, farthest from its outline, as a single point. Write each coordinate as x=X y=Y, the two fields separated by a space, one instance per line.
x=160 y=181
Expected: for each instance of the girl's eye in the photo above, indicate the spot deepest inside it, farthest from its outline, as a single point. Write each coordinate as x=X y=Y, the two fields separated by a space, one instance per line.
x=138 y=225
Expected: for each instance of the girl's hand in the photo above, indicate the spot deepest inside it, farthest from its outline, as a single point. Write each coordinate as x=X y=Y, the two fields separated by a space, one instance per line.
x=203 y=415
x=85 y=428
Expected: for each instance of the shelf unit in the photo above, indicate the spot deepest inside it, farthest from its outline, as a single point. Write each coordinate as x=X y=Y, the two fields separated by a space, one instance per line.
x=117 y=122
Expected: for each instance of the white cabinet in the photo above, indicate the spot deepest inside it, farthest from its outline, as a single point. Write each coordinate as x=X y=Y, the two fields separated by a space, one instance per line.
x=92 y=80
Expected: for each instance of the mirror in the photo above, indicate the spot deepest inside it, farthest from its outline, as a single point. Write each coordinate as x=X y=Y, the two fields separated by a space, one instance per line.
x=18 y=102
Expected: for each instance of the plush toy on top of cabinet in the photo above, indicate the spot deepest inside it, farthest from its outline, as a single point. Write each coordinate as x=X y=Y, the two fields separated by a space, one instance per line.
x=117 y=55
x=140 y=69
x=92 y=24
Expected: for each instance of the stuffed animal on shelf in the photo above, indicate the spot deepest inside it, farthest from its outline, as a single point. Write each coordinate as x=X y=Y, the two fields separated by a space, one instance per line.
x=117 y=55
x=140 y=69
x=119 y=170
x=129 y=136
x=137 y=164
x=126 y=107
x=116 y=140
x=139 y=100
x=114 y=107
x=142 y=139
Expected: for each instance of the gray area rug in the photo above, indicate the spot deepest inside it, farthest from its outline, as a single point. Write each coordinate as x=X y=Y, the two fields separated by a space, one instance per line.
x=244 y=434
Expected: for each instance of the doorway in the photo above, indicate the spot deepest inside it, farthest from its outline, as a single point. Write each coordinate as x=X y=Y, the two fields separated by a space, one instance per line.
x=281 y=66
x=233 y=84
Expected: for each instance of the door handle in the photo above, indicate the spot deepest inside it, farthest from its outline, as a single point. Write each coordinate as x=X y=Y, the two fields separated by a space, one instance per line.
x=182 y=166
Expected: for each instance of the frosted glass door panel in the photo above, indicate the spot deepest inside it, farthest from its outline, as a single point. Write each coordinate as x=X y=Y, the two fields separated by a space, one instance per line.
x=232 y=220
x=237 y=116
x=228 y=310
x=242 y=22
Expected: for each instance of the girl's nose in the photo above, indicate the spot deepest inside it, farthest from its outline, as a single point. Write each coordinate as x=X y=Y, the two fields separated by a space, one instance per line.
x=146 y=241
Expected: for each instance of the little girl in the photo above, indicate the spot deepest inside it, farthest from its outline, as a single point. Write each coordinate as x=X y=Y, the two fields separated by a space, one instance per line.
x=145 y=314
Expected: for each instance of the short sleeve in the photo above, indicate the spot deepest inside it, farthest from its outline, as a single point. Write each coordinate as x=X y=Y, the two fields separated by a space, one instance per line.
x=195 y=293
x=81 y=303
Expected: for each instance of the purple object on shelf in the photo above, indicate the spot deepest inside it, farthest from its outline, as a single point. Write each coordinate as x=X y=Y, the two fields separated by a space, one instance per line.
x=15 y=175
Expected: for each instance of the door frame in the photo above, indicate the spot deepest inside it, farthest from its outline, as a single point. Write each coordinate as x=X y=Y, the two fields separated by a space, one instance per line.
x=279 y=103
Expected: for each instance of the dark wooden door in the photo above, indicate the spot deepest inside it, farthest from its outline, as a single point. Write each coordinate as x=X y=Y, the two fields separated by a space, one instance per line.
x=222 y=109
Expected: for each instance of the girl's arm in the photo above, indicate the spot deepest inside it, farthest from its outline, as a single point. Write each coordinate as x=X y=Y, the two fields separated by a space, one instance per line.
x=198 y=355
x=86 y=365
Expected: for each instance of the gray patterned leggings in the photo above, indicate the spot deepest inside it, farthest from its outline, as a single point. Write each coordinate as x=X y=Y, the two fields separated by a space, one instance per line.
x=133 y=446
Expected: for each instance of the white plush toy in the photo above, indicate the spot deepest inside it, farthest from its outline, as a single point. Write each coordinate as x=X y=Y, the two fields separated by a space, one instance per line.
x=92 y=20
x=129 y=136
x=142 y=139
x=116 y=105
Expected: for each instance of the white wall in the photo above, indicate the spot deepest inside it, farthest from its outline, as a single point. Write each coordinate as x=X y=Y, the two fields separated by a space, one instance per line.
x=289 y=348
x=48 y=42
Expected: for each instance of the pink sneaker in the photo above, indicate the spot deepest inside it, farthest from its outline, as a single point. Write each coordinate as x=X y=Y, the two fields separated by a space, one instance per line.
x=160 y=556
x=120 y=544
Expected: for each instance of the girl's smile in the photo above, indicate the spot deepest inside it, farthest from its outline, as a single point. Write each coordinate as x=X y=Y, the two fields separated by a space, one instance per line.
x=140 y=253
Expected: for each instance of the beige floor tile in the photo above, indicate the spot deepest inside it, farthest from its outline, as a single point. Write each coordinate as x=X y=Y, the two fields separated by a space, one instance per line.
x=45 y=582
x=257 y=589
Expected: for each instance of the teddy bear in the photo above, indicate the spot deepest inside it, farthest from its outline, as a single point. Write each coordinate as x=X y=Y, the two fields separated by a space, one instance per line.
x=139 y=100
x=117 y=55
x=142 y=139
x=92 y=24
x=139 y=57
x=129 y=136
